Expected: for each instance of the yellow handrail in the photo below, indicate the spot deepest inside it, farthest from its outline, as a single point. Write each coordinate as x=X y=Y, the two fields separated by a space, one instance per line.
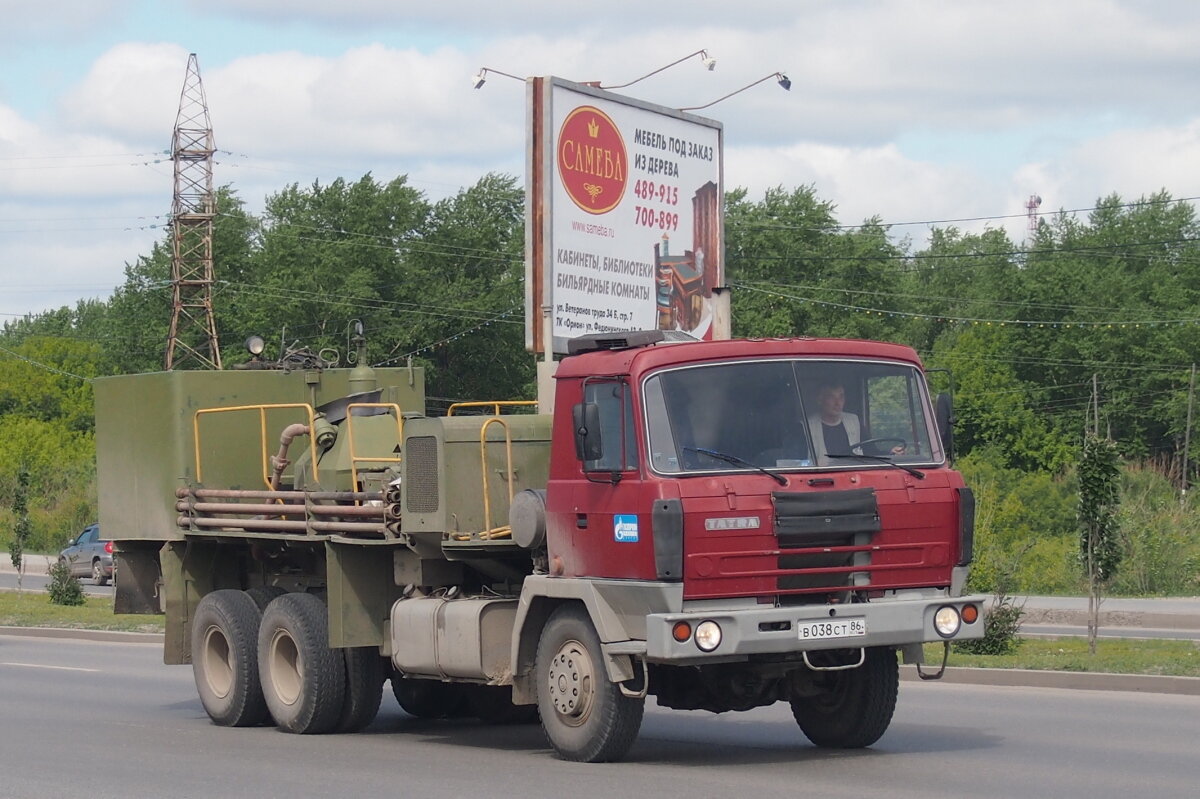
x=487 y=506
x=494 y=405
x=354 y=459
x=262 y=430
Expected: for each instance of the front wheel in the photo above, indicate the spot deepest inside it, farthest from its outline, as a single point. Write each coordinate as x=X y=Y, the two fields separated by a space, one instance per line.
x=850 y=709
x=304 y=681
x=585 y=716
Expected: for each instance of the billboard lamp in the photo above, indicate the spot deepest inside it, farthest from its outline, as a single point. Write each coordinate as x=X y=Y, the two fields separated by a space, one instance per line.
x=481 y=76
x=709 y=62
x=780 y=78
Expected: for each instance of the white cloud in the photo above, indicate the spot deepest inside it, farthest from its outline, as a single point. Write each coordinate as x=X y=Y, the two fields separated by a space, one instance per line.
x=60 y=20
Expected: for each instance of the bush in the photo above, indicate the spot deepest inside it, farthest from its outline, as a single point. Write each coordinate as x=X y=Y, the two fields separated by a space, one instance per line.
x=64 y=588
x=1000 y=637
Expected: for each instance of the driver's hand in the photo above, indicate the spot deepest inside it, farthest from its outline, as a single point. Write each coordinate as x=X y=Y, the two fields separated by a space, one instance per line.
x=899 y=449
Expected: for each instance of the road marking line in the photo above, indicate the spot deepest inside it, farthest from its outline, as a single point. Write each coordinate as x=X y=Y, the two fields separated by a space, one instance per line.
x=56 y=668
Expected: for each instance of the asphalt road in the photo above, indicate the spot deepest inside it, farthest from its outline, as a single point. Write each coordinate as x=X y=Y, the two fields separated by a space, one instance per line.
x=107 y=720
x=38 y=582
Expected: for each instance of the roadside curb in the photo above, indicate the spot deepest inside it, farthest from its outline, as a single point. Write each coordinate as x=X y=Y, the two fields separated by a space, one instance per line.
x=111 y=636
x=1112 y=619
x=1077 y=680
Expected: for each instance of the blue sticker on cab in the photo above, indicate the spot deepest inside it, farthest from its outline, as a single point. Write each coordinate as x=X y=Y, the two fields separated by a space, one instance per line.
x=625 y=528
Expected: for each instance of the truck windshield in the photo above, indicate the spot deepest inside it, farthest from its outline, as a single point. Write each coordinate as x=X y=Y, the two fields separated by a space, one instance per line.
x=788 y=415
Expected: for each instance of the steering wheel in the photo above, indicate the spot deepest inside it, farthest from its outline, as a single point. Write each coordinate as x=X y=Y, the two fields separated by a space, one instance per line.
x=896 y=442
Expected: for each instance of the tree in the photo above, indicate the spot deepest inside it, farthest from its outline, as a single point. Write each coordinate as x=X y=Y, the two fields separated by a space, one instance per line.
x=1099 y=544
x=21 y=527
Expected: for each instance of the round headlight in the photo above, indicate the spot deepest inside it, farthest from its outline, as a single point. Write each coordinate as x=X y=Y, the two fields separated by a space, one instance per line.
x=708 y=635
x=255 y=345
x=946 y=621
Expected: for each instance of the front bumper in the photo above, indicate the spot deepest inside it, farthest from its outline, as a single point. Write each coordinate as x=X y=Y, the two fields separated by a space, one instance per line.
x=776 y=631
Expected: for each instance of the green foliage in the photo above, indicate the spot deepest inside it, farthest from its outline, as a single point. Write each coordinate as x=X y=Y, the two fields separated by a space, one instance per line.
x=1000 y=638
x=1160 y=537
x=1024 y=527
x=21 y=529
x=1099 y=500
x=64 y=588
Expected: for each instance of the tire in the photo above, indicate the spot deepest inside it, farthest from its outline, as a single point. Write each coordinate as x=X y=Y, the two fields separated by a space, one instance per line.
x=263 y=594
x=364 y=688
x=855 y=706
x=225 y=659
x=303 y=680
x=585 y=717
x=427 y=699
x=493 y=704
x=98 y=573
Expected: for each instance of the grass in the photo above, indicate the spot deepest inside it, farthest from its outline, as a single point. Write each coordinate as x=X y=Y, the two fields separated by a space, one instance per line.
x=31 y=609
x=1115 y=656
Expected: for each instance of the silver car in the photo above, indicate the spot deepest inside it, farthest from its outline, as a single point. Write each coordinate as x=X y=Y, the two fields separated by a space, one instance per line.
x=90 y=555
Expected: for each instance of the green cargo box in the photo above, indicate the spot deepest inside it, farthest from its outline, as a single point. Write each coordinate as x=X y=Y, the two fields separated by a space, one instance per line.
x=146 y=429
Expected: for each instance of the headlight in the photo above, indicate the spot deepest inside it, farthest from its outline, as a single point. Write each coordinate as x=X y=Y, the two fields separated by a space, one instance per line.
x=946 y=621
x=708 y=635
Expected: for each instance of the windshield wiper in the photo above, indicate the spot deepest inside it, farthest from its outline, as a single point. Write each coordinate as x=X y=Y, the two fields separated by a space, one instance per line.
x=881 y=459
x=736 y=461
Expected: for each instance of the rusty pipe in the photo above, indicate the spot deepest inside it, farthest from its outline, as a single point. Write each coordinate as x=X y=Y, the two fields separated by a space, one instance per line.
x=368 y=511
x=240 y=493
x=280 y=462
x=280 y=526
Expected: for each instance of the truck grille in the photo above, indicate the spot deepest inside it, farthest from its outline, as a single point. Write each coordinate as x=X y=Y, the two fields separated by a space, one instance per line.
x=421 y=474
x=817 y=525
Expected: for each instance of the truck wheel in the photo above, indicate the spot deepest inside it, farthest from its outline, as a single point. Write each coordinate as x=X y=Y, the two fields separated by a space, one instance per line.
x=427 y=699
x=585 y=717
x=493 y=705
x=364 y=688
x=304 y=681
x=98 y=573
x=225 y=659
x=854 y=707
x=263 y=594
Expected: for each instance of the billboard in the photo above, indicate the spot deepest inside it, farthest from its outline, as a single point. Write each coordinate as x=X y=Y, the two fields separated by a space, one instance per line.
x=624 y=222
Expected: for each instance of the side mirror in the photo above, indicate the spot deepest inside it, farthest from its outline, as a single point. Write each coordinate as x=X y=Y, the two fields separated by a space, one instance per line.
x=586 y=420
x=944 y=411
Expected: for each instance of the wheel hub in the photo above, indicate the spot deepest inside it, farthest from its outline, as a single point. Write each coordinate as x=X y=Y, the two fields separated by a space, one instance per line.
x=572 y=682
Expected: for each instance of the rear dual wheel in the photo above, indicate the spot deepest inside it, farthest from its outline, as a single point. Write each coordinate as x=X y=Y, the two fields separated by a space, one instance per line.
x=303 y=680
x=225 y=659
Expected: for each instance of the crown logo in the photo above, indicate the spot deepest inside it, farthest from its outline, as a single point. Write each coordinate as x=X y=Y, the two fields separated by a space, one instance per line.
x=593 y=128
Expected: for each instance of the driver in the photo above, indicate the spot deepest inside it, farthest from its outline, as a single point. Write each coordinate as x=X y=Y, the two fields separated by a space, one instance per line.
x=833 y=428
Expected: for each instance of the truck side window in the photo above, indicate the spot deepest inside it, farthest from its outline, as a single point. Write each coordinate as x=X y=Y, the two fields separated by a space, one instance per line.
x=617 y=435
x=895 y=412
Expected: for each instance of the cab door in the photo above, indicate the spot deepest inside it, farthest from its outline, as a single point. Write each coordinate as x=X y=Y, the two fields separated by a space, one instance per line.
x=612 y=514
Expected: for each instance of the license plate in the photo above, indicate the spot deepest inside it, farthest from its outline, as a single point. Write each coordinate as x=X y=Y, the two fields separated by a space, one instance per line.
x=832 y=628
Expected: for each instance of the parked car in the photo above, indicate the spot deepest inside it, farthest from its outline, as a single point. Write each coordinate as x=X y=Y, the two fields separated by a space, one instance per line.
x=90 y=555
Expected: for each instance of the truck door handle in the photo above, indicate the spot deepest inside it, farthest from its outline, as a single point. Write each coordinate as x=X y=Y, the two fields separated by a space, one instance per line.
x=581 y=521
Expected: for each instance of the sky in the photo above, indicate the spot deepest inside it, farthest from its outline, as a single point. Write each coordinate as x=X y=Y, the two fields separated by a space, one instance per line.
x=915 y=111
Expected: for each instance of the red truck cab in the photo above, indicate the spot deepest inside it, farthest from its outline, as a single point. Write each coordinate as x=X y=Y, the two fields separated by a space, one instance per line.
x=707 y=463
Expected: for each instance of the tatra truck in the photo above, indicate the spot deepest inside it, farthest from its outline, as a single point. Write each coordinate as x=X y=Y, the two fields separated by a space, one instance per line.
x=720 y=525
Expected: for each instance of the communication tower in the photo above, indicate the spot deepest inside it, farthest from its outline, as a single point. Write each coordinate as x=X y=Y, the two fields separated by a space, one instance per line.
x=1031 y=210
x=193 y=334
